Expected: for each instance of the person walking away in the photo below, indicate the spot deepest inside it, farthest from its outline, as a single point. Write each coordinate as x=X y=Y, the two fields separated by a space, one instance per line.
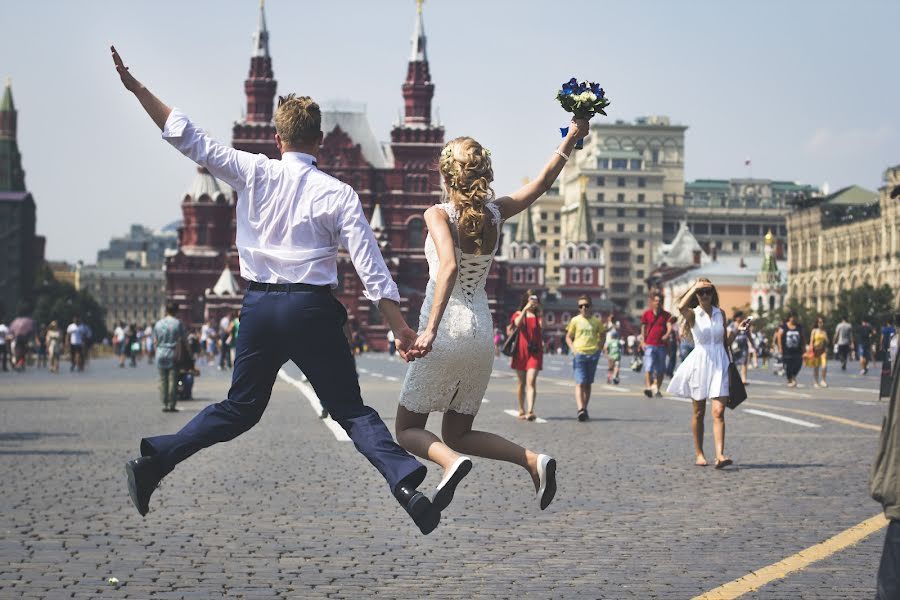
x=75 y=340
x=225 y=338
x=4 y=346
x=864 y=335
x=40 y=341
x=463 y=238
x=740 y=344
x=704 y=374
x=54 y=346
x=529 y=357
x=843 y=338
x=818 y=341
x=614 y=358
x=289 y=311
x=584 y=336
x=168 y=333
x=149 y=345
x=884 y=487
x=119 y=343
x=789 y=341
x=656 y=328
x=133 y=344
x=888 y=332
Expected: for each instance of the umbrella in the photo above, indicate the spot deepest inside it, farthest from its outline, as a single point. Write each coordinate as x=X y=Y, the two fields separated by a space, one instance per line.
x=21 y=326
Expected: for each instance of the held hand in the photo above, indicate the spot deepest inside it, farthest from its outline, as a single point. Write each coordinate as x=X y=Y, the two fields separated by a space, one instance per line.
x=131 y=84
x=404 y=342
x=579 y=128
x=423 y=343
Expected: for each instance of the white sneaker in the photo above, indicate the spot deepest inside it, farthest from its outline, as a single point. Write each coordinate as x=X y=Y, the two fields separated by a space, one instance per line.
x=443 y=494
x=547 y=474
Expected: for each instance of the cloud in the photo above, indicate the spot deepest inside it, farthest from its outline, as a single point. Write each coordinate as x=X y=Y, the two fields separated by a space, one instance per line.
x=826 y=142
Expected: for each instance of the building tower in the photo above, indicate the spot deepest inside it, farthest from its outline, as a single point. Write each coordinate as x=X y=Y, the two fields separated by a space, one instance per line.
x=22 y=249
x=525 y=258
x=768 y=291
x=256 y=132
x=581 y=264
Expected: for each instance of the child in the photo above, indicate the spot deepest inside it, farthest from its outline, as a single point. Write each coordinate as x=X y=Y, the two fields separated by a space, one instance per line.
x=613 y=354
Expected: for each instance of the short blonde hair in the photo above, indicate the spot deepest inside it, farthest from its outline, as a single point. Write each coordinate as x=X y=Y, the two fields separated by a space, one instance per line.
x=298 y=120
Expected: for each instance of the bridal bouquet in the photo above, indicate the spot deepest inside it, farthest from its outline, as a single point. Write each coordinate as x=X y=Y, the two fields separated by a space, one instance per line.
x=583 y=99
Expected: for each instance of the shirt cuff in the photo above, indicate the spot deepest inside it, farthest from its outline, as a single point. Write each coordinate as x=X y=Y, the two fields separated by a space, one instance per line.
x=175 y=124
x=389 y=292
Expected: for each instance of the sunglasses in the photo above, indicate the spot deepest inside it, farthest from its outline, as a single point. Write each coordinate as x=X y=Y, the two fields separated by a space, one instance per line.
x=584 y=306
x=706 y=292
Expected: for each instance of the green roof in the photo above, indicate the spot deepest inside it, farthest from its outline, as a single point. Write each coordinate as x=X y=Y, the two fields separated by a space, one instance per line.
x=620 y=154
x=853 y=195
x=7 y=103
x=525 y=228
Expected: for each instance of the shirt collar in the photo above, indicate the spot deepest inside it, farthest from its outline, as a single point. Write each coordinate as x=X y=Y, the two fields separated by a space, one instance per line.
x=308 y=159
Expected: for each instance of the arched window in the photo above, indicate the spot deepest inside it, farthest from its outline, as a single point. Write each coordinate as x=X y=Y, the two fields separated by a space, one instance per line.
x=566 y=317
x=593 y=254
x=529 y=276
x=588 y=276
x=575 y=276
x=771 y=302
x=549 y=317
x=571 y=252
x=526 y=254
x=517 y=275
x=415 y=233
x=512 y=251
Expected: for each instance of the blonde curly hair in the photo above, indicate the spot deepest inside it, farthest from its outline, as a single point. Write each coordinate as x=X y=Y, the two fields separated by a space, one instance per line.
x=466 y=170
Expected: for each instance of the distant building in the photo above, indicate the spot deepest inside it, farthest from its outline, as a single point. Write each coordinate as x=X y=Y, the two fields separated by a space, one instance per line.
x=21 y=251
x=842 y=241
x=130 y=295
x=770 y=287
x=139 y=248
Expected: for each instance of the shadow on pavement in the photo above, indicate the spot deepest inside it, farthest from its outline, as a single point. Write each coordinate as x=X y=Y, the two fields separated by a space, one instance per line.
x=30 y=436
x=45 y=452
x=780 y=466
x=33 y=398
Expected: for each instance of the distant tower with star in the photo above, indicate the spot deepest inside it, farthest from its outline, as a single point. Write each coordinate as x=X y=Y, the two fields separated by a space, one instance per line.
x=768 y=291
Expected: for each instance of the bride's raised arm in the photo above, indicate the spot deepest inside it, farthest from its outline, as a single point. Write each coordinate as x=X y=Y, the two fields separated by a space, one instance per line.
x=526 y=195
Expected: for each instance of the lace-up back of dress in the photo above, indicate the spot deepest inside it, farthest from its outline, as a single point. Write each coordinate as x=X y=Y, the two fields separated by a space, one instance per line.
x=472 y=269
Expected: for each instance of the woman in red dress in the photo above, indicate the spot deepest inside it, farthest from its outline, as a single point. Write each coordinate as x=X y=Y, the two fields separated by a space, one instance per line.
x=529 y=357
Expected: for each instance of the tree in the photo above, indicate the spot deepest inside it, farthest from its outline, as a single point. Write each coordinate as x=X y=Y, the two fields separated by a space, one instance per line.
x=60 y=301
x=876 y=305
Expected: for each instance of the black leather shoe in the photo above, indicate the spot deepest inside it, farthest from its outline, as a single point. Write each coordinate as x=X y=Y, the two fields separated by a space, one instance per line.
x=144 y=474
x=419 y=508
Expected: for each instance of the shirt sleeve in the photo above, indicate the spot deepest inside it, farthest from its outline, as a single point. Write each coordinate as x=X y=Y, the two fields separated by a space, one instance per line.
x=234 y=167
x=357 y=237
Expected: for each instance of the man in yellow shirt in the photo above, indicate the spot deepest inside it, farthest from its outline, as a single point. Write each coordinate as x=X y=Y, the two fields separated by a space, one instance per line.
x=584 y=335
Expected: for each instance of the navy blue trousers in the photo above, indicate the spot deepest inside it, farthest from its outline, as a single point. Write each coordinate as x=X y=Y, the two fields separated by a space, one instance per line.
x=306 y=328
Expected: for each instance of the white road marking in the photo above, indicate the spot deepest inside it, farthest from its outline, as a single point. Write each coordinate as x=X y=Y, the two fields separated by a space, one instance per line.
x=856 y=389
x=391 y=378
x=677 y=399
x=515 y=414
x=486 y=401
x=763 y=413
x=616 y=388
x=363 y=371
x=867 y=403
x=794 y=394
x=316 y=405
x=376 y=374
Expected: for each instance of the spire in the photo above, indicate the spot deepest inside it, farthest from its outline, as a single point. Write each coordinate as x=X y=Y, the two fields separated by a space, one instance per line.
x=583 y=233
x=377 y=222
x=525 y=228
x=12 y=177
x=260 y=83
x=226 y=285
x=769 y=265
x=418 y=89
x=261 y=37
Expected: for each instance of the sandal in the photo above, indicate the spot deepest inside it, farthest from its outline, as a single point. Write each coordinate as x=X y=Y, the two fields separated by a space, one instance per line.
x=531 y=416
x=522 y=416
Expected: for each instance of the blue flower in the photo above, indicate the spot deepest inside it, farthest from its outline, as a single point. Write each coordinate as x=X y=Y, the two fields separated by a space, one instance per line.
x=573 y=82
x=567 y=89
x=595 y=87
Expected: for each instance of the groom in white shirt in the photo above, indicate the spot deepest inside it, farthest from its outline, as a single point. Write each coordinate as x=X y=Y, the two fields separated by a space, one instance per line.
x=291 y=219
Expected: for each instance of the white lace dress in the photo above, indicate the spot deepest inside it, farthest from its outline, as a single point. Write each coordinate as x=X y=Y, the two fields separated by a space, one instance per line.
x=704 y=373
x=455 y=374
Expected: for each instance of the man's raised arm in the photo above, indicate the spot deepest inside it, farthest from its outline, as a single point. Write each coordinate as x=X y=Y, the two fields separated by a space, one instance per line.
x=155 y=107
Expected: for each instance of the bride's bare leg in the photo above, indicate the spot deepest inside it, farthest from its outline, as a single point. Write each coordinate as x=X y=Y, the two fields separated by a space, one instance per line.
x=412 y=435
x=458 y=434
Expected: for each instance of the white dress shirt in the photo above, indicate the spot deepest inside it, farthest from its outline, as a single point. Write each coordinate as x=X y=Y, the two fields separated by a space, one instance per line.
x=291 y=217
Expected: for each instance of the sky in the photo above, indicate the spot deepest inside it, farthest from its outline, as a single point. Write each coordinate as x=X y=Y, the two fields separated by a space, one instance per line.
x=807 y=89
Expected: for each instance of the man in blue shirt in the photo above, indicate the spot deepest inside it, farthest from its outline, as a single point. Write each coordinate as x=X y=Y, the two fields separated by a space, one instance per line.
x=168 y=333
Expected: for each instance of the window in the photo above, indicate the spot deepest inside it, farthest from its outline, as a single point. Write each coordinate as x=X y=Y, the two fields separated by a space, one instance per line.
x=600 y=212
x=556 y=229
x=556 y=245
x=640 y=243
x=543 y=216
x=620 y=288
x=570 y=252
x=620 y=182
x=556 y=216
x=543 y=229
x=415 y=233
x=641 y=213
x=642 y=182
x=599 y=227
x=517 y=275
x=639 y=274
x=640 y=258
x=575 y=276
x=600 y=197
x=593 y=254
x=640 y=228
x=668 y=227
x=753 y=246
x=529 y=276
x=556 y=256
x=735 y=246
x=635 y=164
x=638 y=289
x=700 y=228
x=620 y=227
x=550 y=317
x=735 y=229
x=620 y=197
x=601 y=181
x=619 y=163
x=751 y=229
x=603 y=163
x=717 y=228
x=620 y=212
x=639 y=304
x=588 y=276
x=641 y=197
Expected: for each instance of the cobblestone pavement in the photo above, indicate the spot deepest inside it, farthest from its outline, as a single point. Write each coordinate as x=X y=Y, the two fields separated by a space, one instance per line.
x=289 y=511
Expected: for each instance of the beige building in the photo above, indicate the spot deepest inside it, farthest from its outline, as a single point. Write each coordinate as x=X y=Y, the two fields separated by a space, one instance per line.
x=628 y=173
x=842 y=241
x=130 y=295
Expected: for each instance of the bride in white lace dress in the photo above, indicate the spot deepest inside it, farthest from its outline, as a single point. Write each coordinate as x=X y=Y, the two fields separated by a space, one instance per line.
x=456 y=328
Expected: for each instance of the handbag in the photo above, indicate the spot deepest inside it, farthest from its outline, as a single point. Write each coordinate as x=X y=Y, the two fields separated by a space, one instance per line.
x=737 y=393
x=511 y=345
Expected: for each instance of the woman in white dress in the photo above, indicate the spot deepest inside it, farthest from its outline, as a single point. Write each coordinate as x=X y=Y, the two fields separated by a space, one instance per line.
x=704 y=372
x=456 y=329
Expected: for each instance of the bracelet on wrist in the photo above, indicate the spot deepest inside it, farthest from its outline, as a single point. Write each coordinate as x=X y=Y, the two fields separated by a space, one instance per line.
x=563 y=154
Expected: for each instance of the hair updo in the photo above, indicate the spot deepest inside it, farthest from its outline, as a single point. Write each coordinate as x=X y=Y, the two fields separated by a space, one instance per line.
x=465 y=167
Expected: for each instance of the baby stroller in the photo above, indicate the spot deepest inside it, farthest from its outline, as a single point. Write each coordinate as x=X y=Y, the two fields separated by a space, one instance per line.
x=778 y=364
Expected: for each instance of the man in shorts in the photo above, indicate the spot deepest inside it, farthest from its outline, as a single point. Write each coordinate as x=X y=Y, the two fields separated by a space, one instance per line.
x=843 y=339
x=656 y=329
x=584 y=336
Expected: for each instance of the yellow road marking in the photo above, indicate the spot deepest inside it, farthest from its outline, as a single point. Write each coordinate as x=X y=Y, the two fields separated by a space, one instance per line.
x=756 y=579
x=810 y=413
